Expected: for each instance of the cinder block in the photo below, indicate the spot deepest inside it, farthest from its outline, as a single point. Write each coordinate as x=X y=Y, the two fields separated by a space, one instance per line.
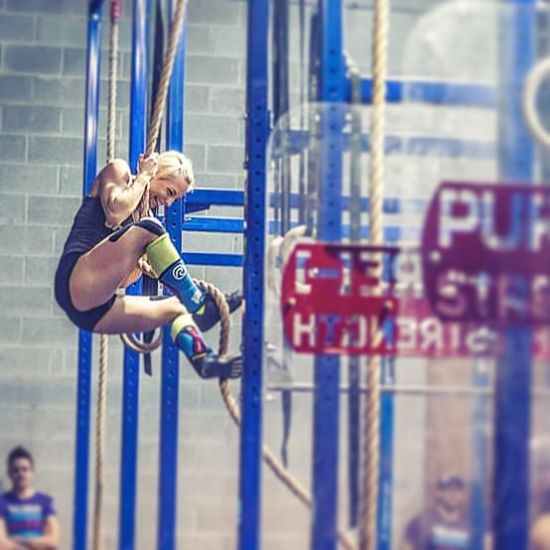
x=212 y=70
x=74 y=62
x=32 y=59
x=23 y=361
x=54 y=211
x=40 y=270
x=35 y=6
x=215 y=12
x=26 y=239
x=61 y=31
x=212 y=129
x=18 y=300
x=12 y=148
x=17 y=28
x=199 y=39
x=196 y=98
x=59 y=91
x=12 y=209
x=72 y=121
x=197 y=154
x=11 y=270
x=55 y=150
x=229 y=41
x=228 y=100
x=70 y=181
x=40 y=331
x=15 y=87
x=225 y=159
x=208 y=179
x=23 y=178
x=60 y=236
x=18 y=118
x=10 y=333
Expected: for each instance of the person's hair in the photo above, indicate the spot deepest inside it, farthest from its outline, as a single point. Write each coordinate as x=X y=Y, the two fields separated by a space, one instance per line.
x=174 y=163
x=19 y=452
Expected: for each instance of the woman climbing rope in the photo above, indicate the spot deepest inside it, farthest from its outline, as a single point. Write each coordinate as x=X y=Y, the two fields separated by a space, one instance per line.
x=103 y=250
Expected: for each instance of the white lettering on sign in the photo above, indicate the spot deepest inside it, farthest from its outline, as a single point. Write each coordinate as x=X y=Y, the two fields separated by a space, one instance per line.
x=303 y=328
x=465 y=211
x=451 y=223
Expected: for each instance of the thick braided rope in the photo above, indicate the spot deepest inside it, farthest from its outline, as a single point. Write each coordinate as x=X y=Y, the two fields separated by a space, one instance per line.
x=282 y=473
x=371 y=463
x=142 y=209
x=104 y=339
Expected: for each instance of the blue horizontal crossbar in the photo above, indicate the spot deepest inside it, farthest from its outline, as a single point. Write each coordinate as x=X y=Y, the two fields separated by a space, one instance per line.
x=438 y=93
x=213 y=225
x=202 y=199
x=235 y=225
x=215 y=259
x=391 y=205
x=405 y=145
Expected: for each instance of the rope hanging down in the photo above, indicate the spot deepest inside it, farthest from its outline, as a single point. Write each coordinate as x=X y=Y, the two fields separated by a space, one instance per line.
x=104 y=339
x=142 y=210
x=282 y=474
x=371 y=465
x=176 y=27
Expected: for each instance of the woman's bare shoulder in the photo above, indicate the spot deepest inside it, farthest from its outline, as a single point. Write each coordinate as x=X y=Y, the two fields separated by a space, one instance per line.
x=117 y=171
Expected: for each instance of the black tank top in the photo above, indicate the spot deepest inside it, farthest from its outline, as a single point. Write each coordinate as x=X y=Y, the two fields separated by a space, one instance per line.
x=88 y=227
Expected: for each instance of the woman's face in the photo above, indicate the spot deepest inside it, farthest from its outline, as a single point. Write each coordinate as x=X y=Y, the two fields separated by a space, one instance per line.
x=164 y=191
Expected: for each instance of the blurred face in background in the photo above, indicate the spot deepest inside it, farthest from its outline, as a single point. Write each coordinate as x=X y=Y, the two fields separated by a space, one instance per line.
x=20 y=472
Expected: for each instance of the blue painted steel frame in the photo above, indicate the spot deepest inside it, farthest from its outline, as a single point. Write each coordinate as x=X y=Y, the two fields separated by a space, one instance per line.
x=327 y=368
x=168 y=451
x=130 y=402
x=253 y=282
x=468 y=95
x=514 y=372
x=84 y=383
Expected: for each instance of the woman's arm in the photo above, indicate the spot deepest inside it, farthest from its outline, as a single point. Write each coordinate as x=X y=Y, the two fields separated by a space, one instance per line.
x=119 y=195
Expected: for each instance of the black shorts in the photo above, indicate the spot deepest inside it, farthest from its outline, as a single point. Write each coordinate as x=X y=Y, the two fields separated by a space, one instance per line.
x=88 y=319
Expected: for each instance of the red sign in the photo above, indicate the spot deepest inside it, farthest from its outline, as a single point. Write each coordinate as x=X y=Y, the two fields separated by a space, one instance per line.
x=486 y=253
x=333 y=301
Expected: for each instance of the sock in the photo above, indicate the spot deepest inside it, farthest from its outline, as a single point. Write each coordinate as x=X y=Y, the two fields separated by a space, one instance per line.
x=170 y=269
x=206 y=363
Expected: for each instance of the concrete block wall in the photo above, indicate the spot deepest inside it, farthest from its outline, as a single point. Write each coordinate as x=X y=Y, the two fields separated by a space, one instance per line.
x=42 y=64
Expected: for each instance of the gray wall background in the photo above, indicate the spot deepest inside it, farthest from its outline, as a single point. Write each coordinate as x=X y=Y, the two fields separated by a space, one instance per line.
x=41 y=125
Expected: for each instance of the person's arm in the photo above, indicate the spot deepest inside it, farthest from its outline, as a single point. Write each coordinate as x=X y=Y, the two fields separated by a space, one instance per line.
x=48 y=541
x=5 y=542
x=119 y=196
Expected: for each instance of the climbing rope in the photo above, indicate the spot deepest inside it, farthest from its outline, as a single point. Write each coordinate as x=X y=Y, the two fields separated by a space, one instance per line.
x=282 y=473
x=371 y=464
x=104 y=339
x=142 y=209
x=176 y=27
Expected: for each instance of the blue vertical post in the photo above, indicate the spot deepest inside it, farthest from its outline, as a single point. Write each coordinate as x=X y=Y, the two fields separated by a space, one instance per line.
x=168 y=450
x=327 y=368
x=84 y=383
x=130 y=400
x=480 y=419
x=513 y=376
x=253 y=280
x=385 y=487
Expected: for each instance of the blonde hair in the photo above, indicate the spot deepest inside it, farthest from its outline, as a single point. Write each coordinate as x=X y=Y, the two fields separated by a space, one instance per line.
x=174 y=163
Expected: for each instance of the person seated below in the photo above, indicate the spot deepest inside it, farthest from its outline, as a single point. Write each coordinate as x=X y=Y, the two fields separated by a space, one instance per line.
x=28 y=519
